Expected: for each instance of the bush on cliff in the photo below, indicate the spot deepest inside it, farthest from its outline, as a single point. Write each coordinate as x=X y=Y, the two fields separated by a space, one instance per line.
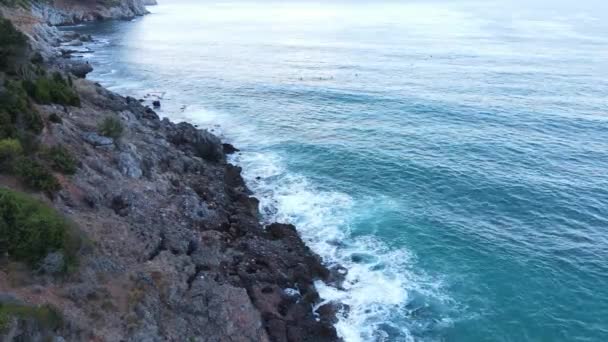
x=55 y=118
x=35 y=175
x=29 y=229
x=13 y=99
x=45 y=316
x=12 y=44
x=15 y=109
x=4 y=320
x=10 y=149
x=53 y=89
x=61 y=160
x=111 y=127
x=7 y=128
x=30 y=142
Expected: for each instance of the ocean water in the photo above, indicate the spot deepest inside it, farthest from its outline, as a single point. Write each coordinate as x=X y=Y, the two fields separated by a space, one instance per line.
x=452 y=155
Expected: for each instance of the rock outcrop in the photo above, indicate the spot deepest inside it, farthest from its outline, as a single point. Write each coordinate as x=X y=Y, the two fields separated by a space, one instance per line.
x=68 y=12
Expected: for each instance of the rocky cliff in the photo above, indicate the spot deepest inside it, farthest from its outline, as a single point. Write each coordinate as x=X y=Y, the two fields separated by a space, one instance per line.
x=66 y=12
x=170 y=245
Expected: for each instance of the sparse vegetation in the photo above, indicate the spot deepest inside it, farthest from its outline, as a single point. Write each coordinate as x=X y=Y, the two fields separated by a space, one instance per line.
x=12 y=42
x=15 y=109
x=53 y=89
x=37 y=58
x=55 y=118
x=35 y=175
x=46 y=316
x=29 y=229
x=7 y=129
x=61 y=160
x=29 y=142
x=33 y=121
x=111 y=127
x=13 y=99
x=23 y=81
x=10 y=149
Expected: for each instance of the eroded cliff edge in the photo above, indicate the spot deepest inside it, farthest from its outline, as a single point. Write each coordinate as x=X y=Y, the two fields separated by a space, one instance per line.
x=174 y=249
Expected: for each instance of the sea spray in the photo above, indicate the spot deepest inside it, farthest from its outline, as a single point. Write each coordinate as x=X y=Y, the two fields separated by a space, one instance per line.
x=374 y=296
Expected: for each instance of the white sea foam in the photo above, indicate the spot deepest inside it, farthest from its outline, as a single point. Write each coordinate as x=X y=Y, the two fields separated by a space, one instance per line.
x=379 y=279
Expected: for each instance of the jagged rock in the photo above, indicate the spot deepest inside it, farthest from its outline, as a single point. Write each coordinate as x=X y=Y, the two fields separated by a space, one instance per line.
x=86 y=38
x=229 y=149
x=202 y=143
x=122 y=203
x=80 y=69
x=129 y=165
x=97 y=140
x=226 y=308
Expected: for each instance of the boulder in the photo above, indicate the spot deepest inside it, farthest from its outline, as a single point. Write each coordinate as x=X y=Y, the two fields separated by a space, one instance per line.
x=227 y=308
x=229 y=149
x=202 y=143
x=129 y=165
x=97 y=140
x=80 y=69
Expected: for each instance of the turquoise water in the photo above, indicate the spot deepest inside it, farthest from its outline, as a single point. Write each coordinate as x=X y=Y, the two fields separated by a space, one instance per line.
x=453 y=155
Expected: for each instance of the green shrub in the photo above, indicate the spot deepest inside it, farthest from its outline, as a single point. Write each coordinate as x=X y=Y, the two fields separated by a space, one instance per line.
x=9 y=150
x=29 y=229
x=111 y=127
x=37 y=58
x=55 y=89
x=4 y=320
x=36 y=175
x=12 y=43
x=62 y=91
x=29 y=142
x=13 y=99
x=7 y=128
x=15 y=110
x=40 y=90
x=46 y=316
x=33 y=121
x=61 y=160
x=55 y=118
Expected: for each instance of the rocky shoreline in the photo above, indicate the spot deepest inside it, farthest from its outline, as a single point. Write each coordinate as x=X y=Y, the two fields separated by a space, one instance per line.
x=176 y=250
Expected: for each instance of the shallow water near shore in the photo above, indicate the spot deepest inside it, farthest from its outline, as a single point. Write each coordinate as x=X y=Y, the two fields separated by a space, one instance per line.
x=451 y=155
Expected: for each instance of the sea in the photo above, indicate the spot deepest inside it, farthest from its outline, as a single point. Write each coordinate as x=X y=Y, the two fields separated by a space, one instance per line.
x=452 y=156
